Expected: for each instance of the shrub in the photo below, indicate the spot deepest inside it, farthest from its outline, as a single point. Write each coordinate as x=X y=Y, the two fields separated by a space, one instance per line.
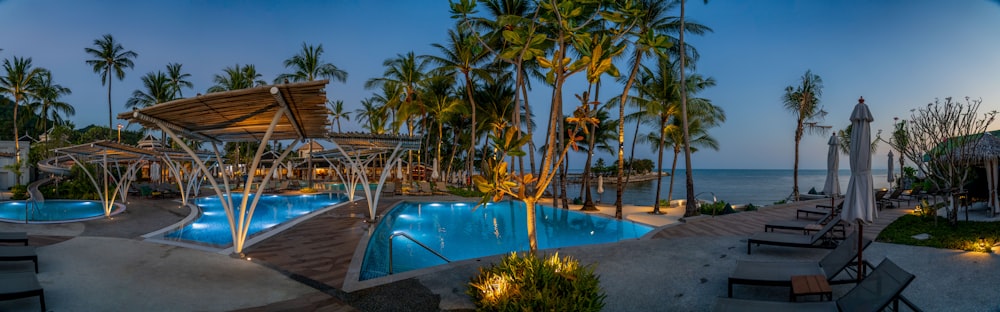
x=750 y=207
x=19 y=192
x=716 y=208
x=964 y=236
x=465 y=192
x=528 y=283
x=307 y=190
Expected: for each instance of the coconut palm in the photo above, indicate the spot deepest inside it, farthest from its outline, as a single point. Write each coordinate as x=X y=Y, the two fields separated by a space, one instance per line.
x=157 y=88
x=309 y=66
x=442 y=104
x=178 y=80
x=237 y=77
x=803 y=101
x=390 y=97
x=47 y=96
x=672 y=136
x=373 y=115
x=337 y=112
x=20 y=82
x=407 y=72
x=110 y=60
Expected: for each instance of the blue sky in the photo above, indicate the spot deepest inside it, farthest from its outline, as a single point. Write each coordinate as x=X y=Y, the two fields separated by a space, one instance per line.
x=898 y=54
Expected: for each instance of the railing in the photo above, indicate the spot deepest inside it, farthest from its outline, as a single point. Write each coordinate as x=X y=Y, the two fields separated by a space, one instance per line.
x=412 y=240
x=30 y=207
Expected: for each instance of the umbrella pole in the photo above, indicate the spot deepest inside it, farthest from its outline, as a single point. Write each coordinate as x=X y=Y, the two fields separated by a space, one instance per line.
x=861 y=266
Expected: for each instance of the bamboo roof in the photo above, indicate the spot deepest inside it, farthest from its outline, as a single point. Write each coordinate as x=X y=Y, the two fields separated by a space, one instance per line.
x=367 y=145
x=114 y=151
x=243 y=115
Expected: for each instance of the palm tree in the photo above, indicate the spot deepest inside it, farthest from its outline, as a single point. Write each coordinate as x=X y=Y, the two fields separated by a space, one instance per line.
x=462 y=55
x=803 y=101
x=47 y=95
x=236 y=78
x=407 y=72
x=158 y=89
x=442 y=104
x=373 y=115
x=110 y=59
x=20 y=82
x=337 y=112
x=308 y=66
x=178 y=80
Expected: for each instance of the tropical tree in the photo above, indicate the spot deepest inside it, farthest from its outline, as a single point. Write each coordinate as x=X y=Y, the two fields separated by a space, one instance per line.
x=407 y=72
x=373 y=115
x=308 y=66
x=237 y=77
x=110 y=60
x=47 y=97
x=462 y=55
x=157 y=88
x=599 y=50
x=337 y=112
x=20 y=82
x=442 y=104
x=177 y=80
x=802 y=100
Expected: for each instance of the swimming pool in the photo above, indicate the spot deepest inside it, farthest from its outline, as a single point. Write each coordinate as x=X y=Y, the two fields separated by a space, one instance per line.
x=54 y=210
x=458 y=232
x=212 y=227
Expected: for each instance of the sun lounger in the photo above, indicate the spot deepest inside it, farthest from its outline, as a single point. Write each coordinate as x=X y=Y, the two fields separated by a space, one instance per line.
x=17 y=285
x=389 y=188
x=814 y=240
x=779 y=273
x=425 y=188
x=824 y=210
x=880 y=289
x=14 y=237
x=807 y=226
x=19 y=253
x=441 y=188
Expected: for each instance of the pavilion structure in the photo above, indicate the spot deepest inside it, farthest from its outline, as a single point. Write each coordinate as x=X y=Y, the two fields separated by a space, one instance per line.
x=294 y=111
x=188 y=182
x=111 y=157
x=359 y=153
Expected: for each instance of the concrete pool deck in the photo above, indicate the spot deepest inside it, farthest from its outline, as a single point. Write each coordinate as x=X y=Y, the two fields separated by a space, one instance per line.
x=103 y=265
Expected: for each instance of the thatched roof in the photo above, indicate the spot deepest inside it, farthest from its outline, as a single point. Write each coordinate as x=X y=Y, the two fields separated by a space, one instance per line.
x=243 y=115
x=114 y=151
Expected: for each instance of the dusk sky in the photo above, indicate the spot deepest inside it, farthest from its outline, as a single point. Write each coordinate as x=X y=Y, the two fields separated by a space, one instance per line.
x=898 y=54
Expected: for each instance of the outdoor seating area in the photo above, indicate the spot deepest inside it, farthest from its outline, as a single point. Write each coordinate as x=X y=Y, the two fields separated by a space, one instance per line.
x=17 y=282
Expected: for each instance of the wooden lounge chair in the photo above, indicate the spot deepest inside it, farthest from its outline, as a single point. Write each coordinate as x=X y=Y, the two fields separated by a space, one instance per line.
x=425 y=188
x=896 y=199
x=14 y=237
x=823 y=210
x=779 y=273
x=882 y=288
x=441 y=188
x=19 y=253
x=815 y=240
x=807 y=226
x=17 y=285
x=389 y=188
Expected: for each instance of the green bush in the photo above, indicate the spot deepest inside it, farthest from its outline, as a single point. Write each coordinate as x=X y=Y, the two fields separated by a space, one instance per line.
x=459 y=191
x=716 y=208
x=527 y=283
x=750 y=207
x=19 y=192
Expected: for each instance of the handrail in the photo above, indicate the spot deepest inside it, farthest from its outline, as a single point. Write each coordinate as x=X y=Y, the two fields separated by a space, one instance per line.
x=412 y=240
x=28 y=205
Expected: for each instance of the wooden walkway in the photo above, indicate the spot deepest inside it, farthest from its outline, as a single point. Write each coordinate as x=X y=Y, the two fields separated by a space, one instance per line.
x=318 y=251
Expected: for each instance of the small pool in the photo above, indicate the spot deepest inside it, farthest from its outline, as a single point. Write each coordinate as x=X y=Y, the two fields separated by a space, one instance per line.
x=212 y=227
x=458 y=232
x=54 y=210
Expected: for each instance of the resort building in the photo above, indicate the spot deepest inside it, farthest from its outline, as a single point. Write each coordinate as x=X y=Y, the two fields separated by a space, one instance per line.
x=8 y=157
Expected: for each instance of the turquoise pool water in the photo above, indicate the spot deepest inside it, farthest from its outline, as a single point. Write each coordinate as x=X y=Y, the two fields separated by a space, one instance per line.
x=212 y=226
x=53 y=210
x=459 y=232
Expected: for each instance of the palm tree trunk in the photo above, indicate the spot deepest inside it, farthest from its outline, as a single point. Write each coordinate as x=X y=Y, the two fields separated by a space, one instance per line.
x=110 y=134
x=795 y=171
x=659 y=169
x=692 y=207
x=620 y=187
x=588 y=202
x=17 y=140
x=527 y=113
x=673 y=171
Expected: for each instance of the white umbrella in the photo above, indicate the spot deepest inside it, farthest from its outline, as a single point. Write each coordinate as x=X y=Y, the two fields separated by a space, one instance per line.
x=399 y=169
x=832 y=186
x=291 y=173
x=859 y=202
x=154 y=172
x=600 y=187
x=890 y=177
x=434 y=172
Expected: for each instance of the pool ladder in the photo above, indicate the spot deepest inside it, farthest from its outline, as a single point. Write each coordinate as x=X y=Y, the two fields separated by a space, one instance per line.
x=412 y=240
x=30 y=207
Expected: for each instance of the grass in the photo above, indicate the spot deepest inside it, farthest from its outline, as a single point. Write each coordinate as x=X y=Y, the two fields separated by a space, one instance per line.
x=964 y=236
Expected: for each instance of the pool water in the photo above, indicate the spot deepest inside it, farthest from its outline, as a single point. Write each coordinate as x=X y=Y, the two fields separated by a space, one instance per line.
x=459 y=232
x=54 y=210
x=212 y=226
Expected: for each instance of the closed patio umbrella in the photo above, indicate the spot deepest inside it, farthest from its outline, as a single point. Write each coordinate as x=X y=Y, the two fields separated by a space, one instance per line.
x=859 y=201
x=832 y=185
x=154 y=172
x=890 y=177
x=600 y=187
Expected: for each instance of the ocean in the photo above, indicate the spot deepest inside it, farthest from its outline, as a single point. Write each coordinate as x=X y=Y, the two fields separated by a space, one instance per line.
x=735 y=186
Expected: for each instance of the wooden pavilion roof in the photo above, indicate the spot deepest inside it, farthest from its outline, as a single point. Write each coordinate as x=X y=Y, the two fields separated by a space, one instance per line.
x=114 y=151
x=243 y=115
x=367 y=145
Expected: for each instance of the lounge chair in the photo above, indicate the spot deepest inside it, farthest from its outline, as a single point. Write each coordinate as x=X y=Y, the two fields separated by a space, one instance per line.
x=14 y=237
x=896 y=199
x=880 y=289
x=807 y=226
x=814 y=240
x=779 y=273
x=823 y=210
x=389 y=188
x=425 y=188
x=19 y=253
x=17 y=285
x=441 y=188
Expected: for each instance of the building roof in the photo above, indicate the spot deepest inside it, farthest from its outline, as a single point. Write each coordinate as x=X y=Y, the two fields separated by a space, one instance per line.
x=114 y=151
x=243 y=115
